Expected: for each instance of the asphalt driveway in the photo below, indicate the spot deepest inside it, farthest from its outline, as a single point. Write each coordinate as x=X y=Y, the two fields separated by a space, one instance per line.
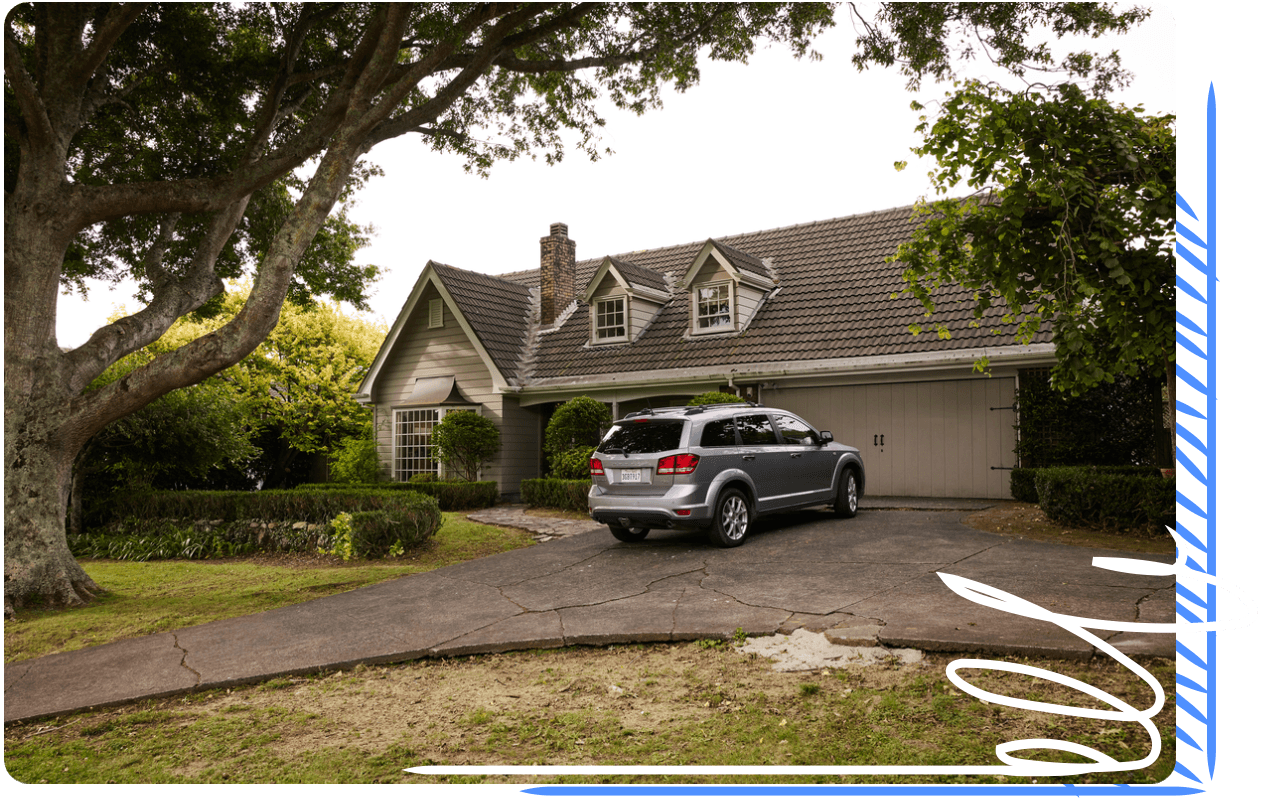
x=861 y=581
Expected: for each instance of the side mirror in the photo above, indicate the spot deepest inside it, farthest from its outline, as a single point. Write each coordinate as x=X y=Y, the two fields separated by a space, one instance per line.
x=825 y=437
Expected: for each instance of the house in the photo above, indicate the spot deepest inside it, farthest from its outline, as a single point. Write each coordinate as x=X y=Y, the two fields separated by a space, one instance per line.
x=799 y=317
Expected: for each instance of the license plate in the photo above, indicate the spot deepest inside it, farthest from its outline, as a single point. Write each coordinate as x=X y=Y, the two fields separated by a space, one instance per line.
x=630 y=475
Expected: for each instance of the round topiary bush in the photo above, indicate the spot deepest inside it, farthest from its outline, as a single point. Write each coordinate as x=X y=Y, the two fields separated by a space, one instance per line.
x=466 y=441
x=580 y=422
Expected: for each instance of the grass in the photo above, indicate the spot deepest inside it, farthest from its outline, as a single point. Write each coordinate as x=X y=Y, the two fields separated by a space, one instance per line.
x=583 y=706
x=145 y=598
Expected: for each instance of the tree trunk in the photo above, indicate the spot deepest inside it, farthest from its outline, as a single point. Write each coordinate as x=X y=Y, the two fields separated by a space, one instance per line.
x=1171 y=380
x=39 y=463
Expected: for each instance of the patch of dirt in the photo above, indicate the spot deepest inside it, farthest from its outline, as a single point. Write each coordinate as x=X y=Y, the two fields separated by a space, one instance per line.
x=496 y=709
x=1024 y=520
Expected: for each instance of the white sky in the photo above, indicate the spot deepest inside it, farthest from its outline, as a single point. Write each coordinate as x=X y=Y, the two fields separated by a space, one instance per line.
x=773 y=143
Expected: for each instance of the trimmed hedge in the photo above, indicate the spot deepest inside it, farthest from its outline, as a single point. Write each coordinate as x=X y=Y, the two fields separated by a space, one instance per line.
x=551 y=493
x=1022 y=482
x=451 y=496
x=1122 y=497
x=204 y=524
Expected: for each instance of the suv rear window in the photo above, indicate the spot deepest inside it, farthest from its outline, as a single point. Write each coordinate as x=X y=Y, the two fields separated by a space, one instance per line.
x=719 y=433
x=642 y=436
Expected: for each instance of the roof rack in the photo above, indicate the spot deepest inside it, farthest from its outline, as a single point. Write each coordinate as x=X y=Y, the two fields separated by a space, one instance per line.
x=690 y=410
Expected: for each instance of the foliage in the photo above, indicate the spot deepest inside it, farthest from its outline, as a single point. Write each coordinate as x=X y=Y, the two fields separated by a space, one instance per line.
x=572 y=464
x=1022 y=481
x=1071 y=224
x=1081 y=495
x=355 y=460
x=371 y=534
x=169 y=543
x=1111 y=424
x=176 y=442
x=466 y=441
x=559 y=494
x=277 y=506
x=580 y=422
x=918 y=37
x=451 y=495
x=714 y=398
x=299 y=383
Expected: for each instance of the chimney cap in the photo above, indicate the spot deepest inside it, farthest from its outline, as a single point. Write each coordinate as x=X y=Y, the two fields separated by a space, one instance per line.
x=559 y=229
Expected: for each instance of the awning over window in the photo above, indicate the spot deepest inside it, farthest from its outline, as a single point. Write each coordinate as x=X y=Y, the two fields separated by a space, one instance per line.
x=437 y=391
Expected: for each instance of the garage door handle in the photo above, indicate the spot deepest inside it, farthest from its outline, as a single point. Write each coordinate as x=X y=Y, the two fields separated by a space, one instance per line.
x=748 y=457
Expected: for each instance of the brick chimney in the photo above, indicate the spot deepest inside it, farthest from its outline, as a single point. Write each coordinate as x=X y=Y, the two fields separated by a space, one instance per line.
x=558 y=259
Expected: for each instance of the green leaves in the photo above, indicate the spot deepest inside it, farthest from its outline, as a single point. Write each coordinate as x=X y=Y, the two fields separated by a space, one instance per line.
x=1071 y=223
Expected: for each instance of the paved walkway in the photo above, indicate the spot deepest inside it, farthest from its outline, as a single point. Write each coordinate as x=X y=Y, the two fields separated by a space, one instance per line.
x=870 y=579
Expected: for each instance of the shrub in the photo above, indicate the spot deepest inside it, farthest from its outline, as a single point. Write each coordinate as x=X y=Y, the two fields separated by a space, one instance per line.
x=355 y=460
x=451 y=495
x=714 y=398
x=1022 y=482
x=466 y=441
x=560 y=494
x=273 y=520
x=1113 y=498
x=574 y=464
x=373 y=534
x=580 y=422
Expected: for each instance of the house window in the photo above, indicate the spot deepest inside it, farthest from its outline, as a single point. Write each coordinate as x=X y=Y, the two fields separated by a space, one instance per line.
x=611 y=319
x=413 y=451
x=435 y=313
x=713 y=308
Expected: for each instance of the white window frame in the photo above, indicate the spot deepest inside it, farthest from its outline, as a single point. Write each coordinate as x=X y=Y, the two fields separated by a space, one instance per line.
x=595 y=319
x=404 y=467
x=694 y=301
x=411 y=430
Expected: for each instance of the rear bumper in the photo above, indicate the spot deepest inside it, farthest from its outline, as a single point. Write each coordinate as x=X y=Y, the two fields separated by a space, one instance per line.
x=672 y=511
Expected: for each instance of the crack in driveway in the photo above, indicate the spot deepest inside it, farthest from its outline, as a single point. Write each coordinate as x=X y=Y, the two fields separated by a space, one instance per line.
x=183 y=662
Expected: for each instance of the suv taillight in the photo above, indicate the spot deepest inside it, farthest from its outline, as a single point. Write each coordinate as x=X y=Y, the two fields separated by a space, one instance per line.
x=678 y=464
x=597 y=467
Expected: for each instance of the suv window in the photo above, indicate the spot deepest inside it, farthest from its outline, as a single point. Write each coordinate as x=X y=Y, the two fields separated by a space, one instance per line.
x=756 y=430
x=794 y=431
x=719 y=433
x=642 y=436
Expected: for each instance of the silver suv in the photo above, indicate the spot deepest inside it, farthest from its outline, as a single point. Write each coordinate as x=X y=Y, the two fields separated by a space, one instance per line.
x=717 y=467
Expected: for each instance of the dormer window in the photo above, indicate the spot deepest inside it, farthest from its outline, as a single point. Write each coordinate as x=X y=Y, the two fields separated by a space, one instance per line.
x=610 y=320
x=714 y=311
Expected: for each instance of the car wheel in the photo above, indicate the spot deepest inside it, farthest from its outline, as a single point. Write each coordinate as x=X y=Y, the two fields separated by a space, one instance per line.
x=847 y=494
x=733 y=517
x=628 y=534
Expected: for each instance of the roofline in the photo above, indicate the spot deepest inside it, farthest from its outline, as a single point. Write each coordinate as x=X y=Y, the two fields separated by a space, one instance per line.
x=1015 y=355
x=364 y=394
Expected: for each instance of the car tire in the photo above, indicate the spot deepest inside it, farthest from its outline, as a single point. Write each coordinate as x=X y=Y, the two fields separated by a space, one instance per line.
x=628 y=534
x=847 y=494
x=732 y=519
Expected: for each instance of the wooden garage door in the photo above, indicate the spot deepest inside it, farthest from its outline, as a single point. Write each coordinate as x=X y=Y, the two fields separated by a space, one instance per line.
x=929 y=439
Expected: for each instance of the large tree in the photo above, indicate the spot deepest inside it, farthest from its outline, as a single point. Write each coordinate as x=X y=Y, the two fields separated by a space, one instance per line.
x=137 y=137
x=1070 y=222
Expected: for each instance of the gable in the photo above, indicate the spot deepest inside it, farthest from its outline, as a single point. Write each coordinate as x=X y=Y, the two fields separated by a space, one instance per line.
x=482 y=314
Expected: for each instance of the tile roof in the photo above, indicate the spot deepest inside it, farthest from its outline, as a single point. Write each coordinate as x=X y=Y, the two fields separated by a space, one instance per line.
x=833 y=300
x=497 y=309
x=741 y=261
x=639 y=275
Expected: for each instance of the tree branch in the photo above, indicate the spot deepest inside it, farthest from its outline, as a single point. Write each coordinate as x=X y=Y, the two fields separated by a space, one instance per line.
x=117 y=20
x=39 y=127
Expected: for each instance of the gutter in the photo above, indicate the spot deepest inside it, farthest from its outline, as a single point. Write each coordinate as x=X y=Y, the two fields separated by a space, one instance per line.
x=1019 y=355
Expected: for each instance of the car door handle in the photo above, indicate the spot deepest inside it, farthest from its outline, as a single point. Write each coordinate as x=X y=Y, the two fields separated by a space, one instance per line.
x=748 y=457
x=796 y=454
